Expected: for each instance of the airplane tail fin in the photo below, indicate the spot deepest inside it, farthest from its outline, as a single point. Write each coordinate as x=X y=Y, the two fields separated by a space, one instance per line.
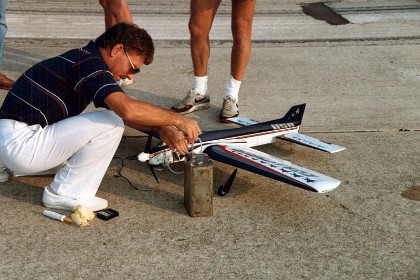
x=295 y=115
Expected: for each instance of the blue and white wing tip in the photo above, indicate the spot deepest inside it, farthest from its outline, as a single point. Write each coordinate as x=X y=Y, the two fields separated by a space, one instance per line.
x=326 y=186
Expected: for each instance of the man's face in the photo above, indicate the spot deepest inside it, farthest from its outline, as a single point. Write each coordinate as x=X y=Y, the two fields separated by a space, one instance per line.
x=123 y=64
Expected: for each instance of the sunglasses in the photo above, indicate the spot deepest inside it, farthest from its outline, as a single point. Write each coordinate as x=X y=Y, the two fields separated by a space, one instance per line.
x=135 y=69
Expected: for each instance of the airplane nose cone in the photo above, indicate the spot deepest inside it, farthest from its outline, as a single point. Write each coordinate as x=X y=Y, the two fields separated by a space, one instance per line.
x=143 y=157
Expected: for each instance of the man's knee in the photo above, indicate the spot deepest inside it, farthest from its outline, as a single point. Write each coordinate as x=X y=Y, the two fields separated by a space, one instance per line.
x=109 y=120
x=197 y=31
x=112 y=118
x=242 y=28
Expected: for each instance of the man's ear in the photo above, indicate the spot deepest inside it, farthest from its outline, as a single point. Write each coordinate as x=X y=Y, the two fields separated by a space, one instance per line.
x=117 y=49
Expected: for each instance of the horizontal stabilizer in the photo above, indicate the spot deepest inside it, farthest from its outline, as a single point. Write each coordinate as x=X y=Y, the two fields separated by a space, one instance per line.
x=242 y=121
x=295 y=115
x=272 y=167
x=311 y=142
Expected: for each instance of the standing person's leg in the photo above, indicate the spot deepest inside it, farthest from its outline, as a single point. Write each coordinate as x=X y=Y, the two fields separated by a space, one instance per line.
x=115 y=11
x=201 y=20
x=5 y=82
x=242 y=16
x=85 y=144
x=3 y=26
x=4 y=176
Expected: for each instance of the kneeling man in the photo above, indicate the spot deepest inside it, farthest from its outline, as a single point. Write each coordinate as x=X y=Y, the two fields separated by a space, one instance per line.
x=42 y=125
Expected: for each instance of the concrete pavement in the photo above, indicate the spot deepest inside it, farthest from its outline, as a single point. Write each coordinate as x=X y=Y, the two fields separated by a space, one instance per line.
x=360 y=83
x=273 y=22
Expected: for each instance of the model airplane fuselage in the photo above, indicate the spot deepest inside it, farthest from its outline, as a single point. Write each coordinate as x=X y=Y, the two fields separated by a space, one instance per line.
x=234 y=147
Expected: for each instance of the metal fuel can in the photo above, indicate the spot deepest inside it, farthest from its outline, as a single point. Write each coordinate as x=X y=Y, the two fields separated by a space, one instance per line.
x=198 y=185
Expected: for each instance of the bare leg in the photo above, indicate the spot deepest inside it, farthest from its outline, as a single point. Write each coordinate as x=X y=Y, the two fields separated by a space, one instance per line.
x=201 y=20
x=115 y=11
x=242 y=15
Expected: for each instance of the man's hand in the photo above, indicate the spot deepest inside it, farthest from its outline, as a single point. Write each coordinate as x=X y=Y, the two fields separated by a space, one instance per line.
x=189 y=127
x=174 y=139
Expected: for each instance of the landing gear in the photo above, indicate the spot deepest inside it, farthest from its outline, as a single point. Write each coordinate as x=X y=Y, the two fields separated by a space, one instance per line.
x=224 y=189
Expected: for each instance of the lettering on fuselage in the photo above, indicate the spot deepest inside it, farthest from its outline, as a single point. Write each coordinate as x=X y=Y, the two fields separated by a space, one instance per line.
x=282 y=125
x=287 y=170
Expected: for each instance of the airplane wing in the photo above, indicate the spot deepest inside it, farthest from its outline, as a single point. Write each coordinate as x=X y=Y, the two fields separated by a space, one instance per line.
x=311 y=142
x=272 y=167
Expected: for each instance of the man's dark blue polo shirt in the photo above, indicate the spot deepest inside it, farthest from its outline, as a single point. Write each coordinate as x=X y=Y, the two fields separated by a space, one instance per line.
x=60 y=87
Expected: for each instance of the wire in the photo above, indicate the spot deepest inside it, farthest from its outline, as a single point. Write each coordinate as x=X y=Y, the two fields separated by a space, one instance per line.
x=201 y=145
x=122 y=176
x=173 y=161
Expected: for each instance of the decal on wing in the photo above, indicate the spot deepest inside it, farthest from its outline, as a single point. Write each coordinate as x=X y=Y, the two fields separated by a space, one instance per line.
x=272 y=167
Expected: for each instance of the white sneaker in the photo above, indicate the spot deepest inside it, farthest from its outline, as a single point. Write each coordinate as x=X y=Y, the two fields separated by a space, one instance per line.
x=192 y=102
x=230 y=109
x=4 y=176
x=56 y=201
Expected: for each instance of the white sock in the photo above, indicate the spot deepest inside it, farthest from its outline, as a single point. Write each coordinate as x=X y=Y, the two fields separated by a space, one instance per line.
x=232 y=88
x=200 y=85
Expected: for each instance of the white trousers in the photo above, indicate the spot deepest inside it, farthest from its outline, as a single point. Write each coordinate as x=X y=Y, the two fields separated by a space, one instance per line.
x=83 y=146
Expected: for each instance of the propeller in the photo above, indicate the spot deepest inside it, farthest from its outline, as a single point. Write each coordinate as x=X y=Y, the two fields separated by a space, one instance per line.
x=143 y=155
x=152 y=169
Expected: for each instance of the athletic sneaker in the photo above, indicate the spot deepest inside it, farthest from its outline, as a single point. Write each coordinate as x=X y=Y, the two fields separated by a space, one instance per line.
x=4 y=176
x=230 y=109
x=52 y=200
x=192 y=102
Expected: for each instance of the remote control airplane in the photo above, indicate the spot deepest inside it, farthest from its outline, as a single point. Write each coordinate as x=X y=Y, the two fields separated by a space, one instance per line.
x=234 y=147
